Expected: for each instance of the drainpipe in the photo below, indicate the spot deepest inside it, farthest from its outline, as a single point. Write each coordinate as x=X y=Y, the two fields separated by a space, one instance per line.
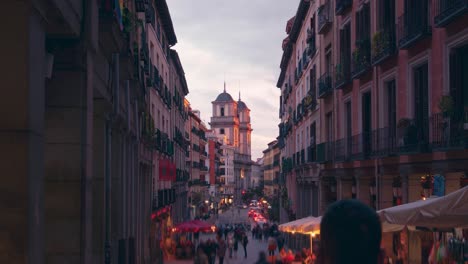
x=115 y=78
x=116 y=84
x=107 y=245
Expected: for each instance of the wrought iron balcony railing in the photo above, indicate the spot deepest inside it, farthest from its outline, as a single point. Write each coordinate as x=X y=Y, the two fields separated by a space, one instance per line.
x=325 y=152
x=414 y=25
x=342 y=74
x=361 y=58
x=325 y=17
x=449 y=131
x=384 y=142
x=325 y=85
x=383 y=45
x=447 y=11
x=342 y=6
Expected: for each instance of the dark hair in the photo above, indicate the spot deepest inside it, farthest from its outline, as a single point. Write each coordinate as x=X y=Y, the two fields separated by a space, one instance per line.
x=350 y=232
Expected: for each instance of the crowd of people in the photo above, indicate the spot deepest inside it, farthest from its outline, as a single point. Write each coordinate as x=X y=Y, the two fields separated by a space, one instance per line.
x=228 y=240
x=350 y=232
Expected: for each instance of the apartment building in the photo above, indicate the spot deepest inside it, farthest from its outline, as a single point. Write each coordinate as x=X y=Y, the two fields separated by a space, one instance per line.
x=391 y=103
x=77 y=129
x=271 y=169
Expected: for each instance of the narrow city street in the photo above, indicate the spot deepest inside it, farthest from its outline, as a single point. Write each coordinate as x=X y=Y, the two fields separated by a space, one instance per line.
x=254 y=247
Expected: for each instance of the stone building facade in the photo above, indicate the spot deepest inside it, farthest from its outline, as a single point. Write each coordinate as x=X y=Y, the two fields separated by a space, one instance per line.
x=80 y=150
x=388 y=107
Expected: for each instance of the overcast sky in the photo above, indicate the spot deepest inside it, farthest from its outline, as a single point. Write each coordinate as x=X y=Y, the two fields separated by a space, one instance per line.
x=242 y=40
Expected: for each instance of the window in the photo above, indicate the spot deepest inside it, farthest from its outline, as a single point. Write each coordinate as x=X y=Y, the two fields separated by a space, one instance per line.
x=313 y=81
x=221 y=131
x=421 y=101
x=222 y=111
x=345 y=52
x=391 y=106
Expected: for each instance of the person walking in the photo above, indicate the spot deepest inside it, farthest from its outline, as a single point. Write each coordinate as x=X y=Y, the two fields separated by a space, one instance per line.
x=236 y=246
x=245 y=241
x=200 y=257
x=230 y=244
x=271 y=247
x=221 y=250
x=280 y=242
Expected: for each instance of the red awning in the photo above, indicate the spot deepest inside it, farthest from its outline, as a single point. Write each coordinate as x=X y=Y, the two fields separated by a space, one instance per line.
x=193 y=226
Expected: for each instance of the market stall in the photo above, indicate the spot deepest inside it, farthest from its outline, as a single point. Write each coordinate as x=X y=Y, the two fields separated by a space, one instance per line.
x=185 y=247
x=428 y=231
x=303 y=233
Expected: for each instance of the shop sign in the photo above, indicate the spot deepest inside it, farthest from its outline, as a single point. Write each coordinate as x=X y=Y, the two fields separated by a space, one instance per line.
x=439 y=185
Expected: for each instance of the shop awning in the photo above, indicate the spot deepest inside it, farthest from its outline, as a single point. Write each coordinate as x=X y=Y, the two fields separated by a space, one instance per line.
x=194 y=226
x=295 y=226
x=312 y=226
x=450 y=211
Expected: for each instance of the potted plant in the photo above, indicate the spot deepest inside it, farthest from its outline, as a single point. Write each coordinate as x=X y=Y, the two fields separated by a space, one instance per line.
x=446 y=106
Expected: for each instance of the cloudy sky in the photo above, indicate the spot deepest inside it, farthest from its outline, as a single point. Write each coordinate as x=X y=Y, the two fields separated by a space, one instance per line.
x=239 y=39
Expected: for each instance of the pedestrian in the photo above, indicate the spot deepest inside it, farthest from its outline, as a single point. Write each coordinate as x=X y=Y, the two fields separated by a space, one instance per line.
x=200 y=257
x=262 y=258
x=230 y=244
x=221 y=250
x=245 y=241
x=280 y=242
x=226 y=231
x=271 y=246
x=350 y=231
x=236 y=246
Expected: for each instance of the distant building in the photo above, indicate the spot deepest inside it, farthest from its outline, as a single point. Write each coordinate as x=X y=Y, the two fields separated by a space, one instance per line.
x=271 y=169
x=232 y=119
x=256 y=178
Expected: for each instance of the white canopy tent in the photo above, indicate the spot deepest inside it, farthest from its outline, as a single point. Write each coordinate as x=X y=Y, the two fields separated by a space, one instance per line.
x=450 y=211
x=294 y=226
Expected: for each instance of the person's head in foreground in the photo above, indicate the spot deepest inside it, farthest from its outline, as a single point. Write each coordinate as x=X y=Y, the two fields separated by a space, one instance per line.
x=350 y=232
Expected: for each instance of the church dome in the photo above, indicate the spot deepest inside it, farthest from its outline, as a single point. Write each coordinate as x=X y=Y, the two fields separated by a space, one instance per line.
x=241 y=106
x=224 y=97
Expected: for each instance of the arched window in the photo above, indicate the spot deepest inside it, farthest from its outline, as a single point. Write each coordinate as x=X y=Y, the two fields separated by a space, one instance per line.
x=222 y=111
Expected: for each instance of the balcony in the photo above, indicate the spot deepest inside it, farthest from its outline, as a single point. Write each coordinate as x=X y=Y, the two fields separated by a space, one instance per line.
x=325 y=152
x=325 y=85
x=342 y=6
x=309 y=103
x=361 y=146
x=413 y=26
x=287 y=165
x=325 y=17
x=412 y=135
x=311 y=48
x=342 y=149
x=197 y=182
x=447 y=11
x=449 y=132
x=361 y=58
x=342 y=75
x=311 y=153
x=384 y=142
x=383 y=45
x=203 y=168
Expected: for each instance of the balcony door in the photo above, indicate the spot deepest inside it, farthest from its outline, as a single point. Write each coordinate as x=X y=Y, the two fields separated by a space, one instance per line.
x=391 y=113
x=459 y=78
x=348 y=120
x=421 y=102
x=366 y=122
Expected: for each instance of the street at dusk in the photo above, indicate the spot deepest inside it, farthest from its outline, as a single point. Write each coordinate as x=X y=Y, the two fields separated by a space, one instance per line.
x=185 y=131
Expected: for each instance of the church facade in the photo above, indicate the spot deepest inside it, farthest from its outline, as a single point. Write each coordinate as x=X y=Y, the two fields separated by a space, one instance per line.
x=231 y=119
